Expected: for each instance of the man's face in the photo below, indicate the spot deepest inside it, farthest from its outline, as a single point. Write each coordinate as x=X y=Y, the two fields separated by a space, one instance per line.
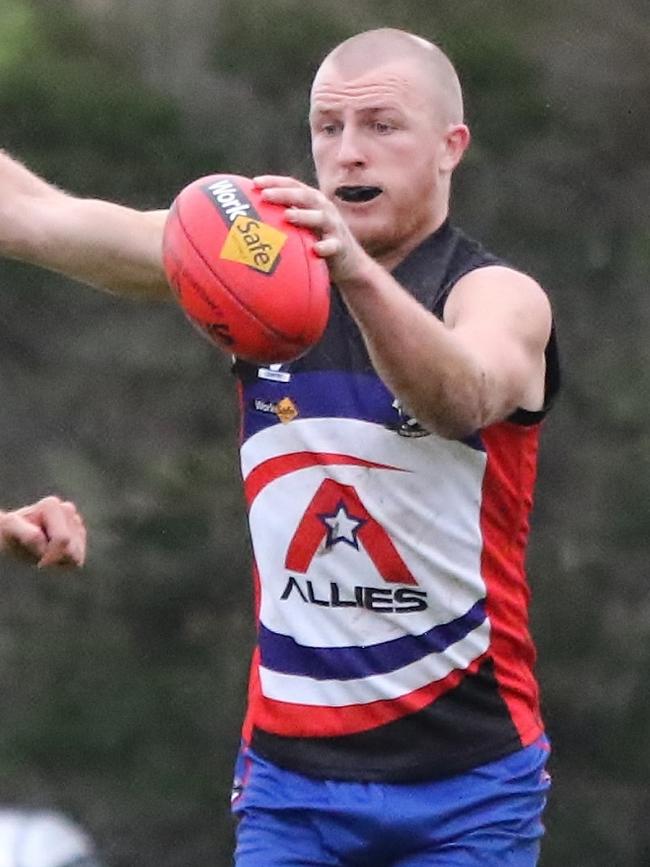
x=379 y=149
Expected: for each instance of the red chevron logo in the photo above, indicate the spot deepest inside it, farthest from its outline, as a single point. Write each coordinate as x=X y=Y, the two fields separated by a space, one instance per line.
x=336 y=515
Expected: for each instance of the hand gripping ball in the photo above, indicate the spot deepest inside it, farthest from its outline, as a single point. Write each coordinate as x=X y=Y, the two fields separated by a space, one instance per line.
x=249 y=280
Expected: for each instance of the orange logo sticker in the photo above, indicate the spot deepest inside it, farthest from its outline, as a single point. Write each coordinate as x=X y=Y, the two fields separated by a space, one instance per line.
x=253 y=243
x=286 y=410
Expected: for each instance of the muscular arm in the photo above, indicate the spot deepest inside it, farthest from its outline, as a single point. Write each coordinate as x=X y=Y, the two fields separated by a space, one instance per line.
x=100 y=243
x=476 y=367
x=485 y=359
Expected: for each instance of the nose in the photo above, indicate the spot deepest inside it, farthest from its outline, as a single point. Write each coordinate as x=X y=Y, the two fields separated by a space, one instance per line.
x=351 y=152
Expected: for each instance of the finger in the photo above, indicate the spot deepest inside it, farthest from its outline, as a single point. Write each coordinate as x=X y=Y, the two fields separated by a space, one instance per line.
x=302 y=197
x=62 y=561
x=75 y=554
x=78 y=545
x=310 y=218
x=45 y=506
x=22 y=538
x=263 y=181
x=328 y=247
x=57 y=551
x=58 y=520
x=54 y=517
x=49 y=532
x=66 y=549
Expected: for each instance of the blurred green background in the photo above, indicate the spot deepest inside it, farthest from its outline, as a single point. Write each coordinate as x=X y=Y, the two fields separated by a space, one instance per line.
x=124 y=684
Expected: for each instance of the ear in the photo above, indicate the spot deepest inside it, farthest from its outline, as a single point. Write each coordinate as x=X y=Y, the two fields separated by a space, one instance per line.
x=454 y=144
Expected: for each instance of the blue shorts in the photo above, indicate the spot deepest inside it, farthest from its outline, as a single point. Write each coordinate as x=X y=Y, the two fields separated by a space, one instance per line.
x=488 y=817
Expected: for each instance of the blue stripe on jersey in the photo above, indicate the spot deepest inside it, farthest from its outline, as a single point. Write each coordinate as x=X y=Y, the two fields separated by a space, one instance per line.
x=282 y=653
x=324 y=394
x=320 y=394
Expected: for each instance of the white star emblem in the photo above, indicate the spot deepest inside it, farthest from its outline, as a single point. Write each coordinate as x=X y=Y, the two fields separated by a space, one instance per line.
x=342 y=527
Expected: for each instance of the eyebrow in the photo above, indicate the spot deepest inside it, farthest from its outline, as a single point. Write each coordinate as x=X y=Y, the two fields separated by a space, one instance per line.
x=368 y=111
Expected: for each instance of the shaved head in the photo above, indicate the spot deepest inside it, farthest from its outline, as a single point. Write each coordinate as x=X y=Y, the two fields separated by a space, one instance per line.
x=374 y=48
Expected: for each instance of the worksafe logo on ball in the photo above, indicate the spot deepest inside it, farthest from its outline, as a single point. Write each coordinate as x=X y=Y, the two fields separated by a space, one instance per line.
x=250 y=241
x=254 y=244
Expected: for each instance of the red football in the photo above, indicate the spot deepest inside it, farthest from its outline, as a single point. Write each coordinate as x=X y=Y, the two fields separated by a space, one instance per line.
x=248 y=279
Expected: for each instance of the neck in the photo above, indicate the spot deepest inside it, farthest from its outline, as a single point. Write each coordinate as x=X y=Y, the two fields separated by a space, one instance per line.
x=391 y=258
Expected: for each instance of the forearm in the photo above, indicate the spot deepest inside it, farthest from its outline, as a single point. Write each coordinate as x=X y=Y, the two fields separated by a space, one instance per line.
x=421 y=361
x=100 y=243
x=105 y=245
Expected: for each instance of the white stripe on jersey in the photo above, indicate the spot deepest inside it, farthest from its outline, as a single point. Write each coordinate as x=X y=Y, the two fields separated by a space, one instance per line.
x=339 y=693
x=431 y=515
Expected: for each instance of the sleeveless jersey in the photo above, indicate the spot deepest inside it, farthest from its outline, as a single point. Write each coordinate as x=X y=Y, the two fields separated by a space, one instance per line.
x=392 y=602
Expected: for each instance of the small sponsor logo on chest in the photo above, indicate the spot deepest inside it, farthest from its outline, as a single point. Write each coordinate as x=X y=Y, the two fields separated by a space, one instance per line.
x=285 y=409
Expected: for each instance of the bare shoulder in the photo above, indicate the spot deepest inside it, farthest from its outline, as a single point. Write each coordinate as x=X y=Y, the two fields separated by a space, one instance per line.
x=497 y=295
x=504 y=318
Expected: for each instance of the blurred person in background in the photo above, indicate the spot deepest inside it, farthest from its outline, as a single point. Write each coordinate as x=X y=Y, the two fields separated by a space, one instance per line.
x=50 y=532
x=394 y=715
x=43 y=838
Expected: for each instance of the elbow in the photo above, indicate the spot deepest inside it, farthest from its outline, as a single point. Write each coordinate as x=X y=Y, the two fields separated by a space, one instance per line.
x=454 y=413
x=452 y=427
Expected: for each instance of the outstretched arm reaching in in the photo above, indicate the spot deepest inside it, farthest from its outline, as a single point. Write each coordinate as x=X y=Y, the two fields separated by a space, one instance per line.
x=101 y=243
